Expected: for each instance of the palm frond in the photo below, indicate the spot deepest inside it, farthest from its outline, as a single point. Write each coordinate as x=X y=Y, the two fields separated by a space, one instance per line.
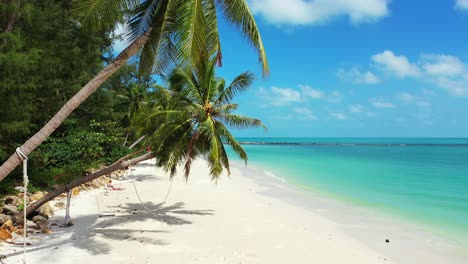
x=212 y=33
x=208 y=130
x=226 y=109
x=240 y=122
x=143 y=17
x=240 y=84
x=191 y=31
x=102 y=15
x=238 y=13
x=159 y=50
x=232 y=141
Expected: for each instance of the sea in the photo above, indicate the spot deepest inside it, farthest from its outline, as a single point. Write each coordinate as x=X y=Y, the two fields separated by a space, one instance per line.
x=421 y=180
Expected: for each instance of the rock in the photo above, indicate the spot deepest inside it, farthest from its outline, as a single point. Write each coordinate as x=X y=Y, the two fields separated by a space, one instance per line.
x=60 y=205
x=36 y=196
x=46 y=210
x=40 y=218
x=10 y=209
x=19 y=188
x=75 y=191
x=3 y=219
x=7 y=225
x=44 y=228
x=13 y=200
x=17 y=219
x=5 y=234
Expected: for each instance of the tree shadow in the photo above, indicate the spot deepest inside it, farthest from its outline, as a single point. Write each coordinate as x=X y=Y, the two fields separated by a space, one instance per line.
x=144 y=177
x=170 y=214
x=89 y=230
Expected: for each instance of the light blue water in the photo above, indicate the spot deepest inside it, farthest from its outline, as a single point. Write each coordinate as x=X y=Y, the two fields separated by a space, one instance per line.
x=421 y=180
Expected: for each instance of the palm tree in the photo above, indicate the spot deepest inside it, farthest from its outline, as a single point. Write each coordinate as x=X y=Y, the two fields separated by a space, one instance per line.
x=192 y=118
x=188 y=119
x=161 y=31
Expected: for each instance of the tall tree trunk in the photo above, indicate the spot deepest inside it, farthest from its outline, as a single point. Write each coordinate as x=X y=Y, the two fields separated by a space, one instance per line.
x=118 y=165
x=72 y=104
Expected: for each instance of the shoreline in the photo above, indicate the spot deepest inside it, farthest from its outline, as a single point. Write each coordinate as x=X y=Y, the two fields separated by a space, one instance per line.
x=427 y=229
x=369 y=225
x=247 y=218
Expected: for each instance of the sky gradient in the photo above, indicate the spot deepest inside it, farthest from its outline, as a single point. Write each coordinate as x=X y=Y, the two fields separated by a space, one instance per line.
x=355 y=68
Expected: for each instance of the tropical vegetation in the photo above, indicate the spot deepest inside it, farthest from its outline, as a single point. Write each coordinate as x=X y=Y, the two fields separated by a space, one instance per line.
x=192 y=117
x=162 y=32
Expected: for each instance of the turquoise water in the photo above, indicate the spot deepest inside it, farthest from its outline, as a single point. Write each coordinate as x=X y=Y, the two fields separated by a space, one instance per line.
x=421 y=180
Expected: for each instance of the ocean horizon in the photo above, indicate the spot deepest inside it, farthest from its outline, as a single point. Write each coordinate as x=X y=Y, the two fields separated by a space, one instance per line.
x=420 y=180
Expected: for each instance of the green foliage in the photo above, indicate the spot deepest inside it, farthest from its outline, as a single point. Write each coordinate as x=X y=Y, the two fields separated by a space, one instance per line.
x=180 y=31
x=69 y=154
x=43 y=61
x=191 y=117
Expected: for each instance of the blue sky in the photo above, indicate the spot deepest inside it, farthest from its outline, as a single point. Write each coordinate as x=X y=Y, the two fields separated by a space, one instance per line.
x=355 y=68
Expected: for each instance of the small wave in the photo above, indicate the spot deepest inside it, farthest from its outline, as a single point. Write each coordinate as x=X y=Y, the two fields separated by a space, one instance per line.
x=271 y=174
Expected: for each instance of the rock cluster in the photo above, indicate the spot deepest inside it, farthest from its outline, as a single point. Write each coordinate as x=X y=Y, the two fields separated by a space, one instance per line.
x=12 y=222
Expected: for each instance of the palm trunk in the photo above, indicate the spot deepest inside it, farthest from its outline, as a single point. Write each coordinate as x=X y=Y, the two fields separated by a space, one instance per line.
x=137 y=141
x=118 y=165
x=72 y=104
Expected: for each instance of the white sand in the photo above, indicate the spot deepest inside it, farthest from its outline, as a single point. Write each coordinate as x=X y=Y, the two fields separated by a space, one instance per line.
x=240 y=220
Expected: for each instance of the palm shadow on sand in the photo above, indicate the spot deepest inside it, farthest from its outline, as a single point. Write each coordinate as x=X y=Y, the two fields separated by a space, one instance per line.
x=88 y=229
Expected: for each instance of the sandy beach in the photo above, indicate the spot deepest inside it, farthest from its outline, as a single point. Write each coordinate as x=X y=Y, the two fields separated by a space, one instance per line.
x=247 y=218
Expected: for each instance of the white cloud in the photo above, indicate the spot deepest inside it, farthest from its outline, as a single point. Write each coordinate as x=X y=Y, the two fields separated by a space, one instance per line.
x=355 y=76
x=358 y=108
x=442 y=65
x=380 y=103
x=423 y=104
x=276 y=96
x=339 y=116
x=335 y=97
x=284 y=96
x=455 y=87
x=405 y=97
x=461 y=4
x=305 y=113
x=429 y=92
x=313 y=12
x=311 y=92
x=397 y=65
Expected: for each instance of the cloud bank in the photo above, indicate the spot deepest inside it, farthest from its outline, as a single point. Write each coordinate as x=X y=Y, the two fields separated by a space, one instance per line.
x=314 y=12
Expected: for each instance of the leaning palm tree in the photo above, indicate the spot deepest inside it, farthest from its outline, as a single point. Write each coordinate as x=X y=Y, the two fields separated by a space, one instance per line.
x=192 y=118
x=188 y=119
x=161 y=32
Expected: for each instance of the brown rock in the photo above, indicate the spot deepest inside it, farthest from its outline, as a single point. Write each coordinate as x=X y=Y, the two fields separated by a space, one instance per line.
x=10 y=209
x=5 y=234
x=3 y=219
x=36 y=196
x=46 y=210
x=7 y=225
x=44 y=228
x=75 y=191
x=40 y=218
x=60 y=205
x=17 y=219
x=13 y=200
